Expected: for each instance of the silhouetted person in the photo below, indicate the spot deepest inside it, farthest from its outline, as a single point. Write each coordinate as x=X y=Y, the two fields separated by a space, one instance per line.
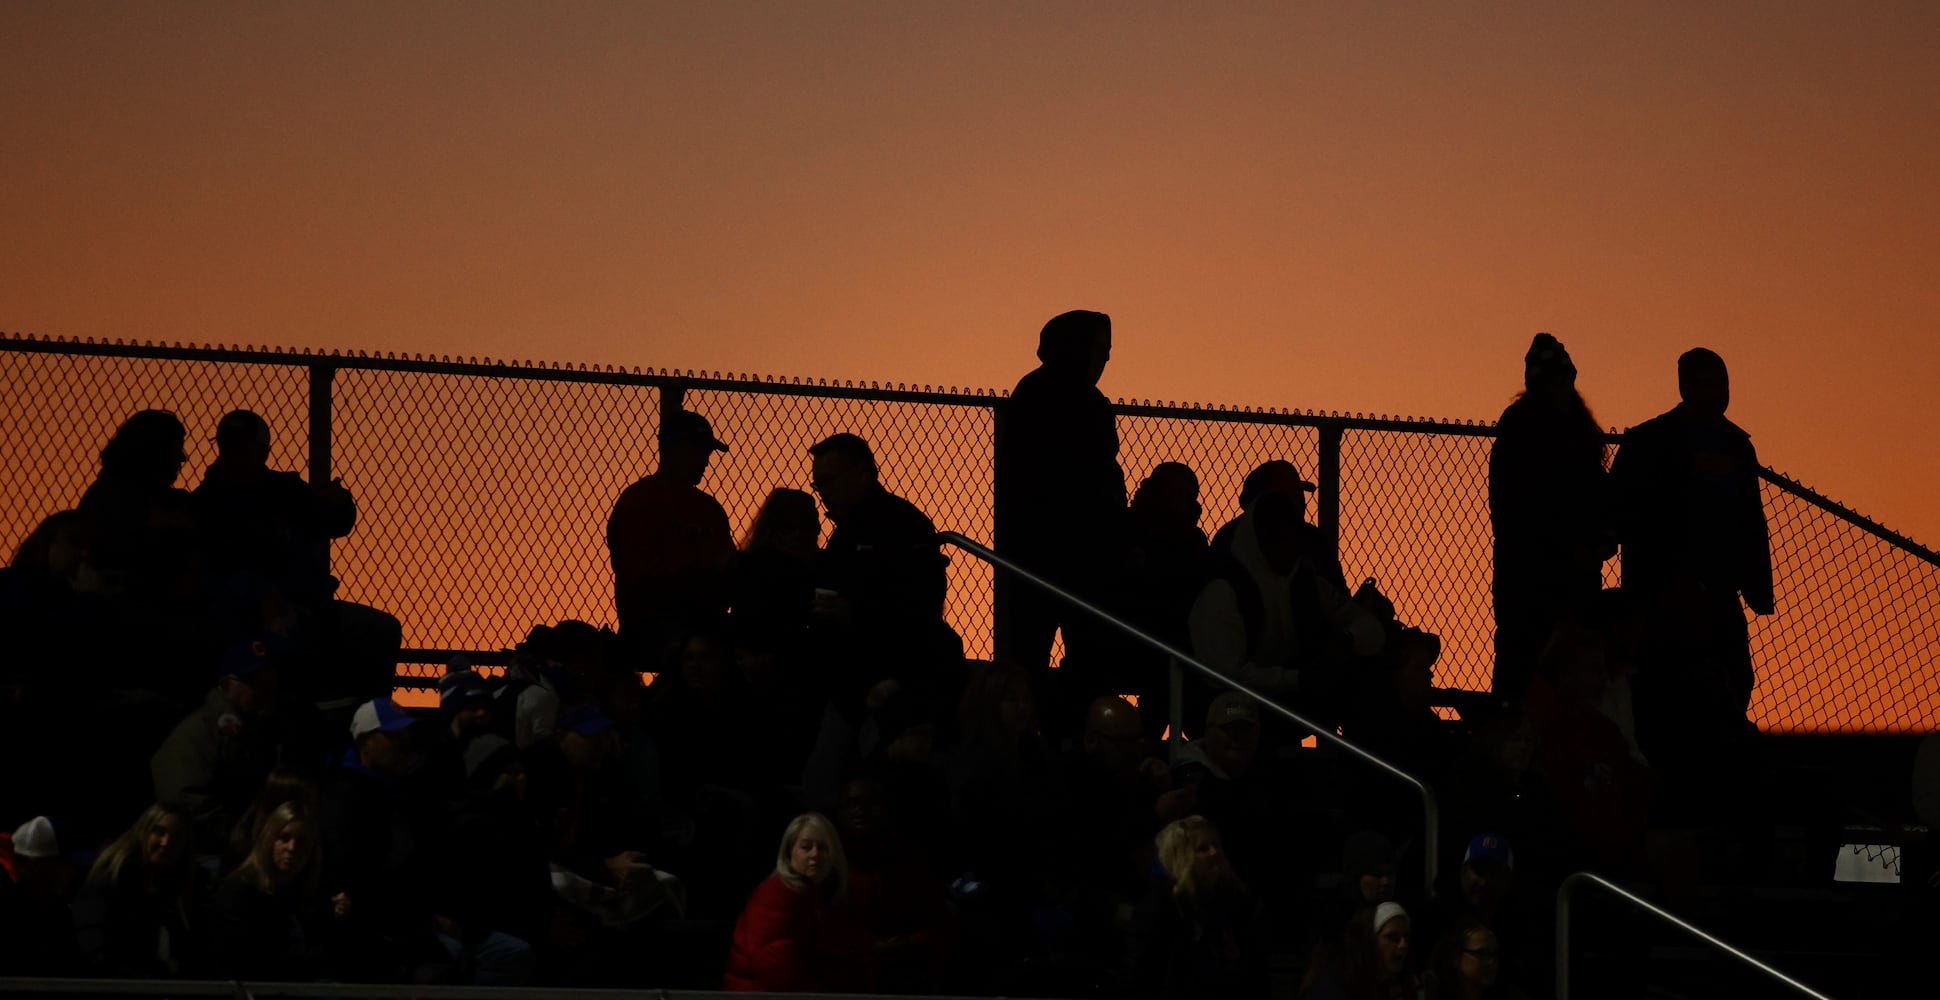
x=1272 y=619
x=1060 y=493
x=1692 y=526
x=268 y=537
x=774 y=576
x=881 y=580
x=1283 y=477
x=669 y=541
x=1165 y=561
x=146 y=550
x=1549 y=506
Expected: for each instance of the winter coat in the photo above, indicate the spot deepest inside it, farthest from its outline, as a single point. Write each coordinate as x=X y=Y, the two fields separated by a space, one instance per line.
x=797 y=942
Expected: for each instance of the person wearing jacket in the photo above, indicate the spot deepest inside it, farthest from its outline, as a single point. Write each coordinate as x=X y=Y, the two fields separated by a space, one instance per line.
x=218 y=756
x=1695 y=544
x=1201 y=932
x=137 y=917
x=796 y=934
x=271 y=921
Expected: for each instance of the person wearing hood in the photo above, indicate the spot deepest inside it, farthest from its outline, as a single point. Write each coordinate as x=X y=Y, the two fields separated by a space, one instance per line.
x=1549 y=507
x=1273 y=620
x=1060 y=492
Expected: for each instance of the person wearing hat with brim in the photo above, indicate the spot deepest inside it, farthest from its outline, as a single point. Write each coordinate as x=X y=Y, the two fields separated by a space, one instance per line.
x=669 y=541
x=1549 y=505
x=216 y=758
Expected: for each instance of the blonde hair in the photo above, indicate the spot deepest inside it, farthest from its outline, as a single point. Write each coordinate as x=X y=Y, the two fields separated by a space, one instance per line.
x=838 y=861
x=1175 y=844
x=133 y=843
x=259 y=869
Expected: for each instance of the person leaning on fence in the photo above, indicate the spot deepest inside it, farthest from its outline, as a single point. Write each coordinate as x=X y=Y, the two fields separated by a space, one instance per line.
x=1549 y=505
x=797 y=934
x=670 y=542
x=1060 y=493
x=268 y=537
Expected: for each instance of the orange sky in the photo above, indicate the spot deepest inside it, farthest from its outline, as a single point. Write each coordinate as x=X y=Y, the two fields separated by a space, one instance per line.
x=1346 y=206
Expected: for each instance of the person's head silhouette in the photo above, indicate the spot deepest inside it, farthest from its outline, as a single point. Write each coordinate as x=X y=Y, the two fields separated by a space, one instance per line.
x=1076 y=343
x=1703 y=382
x=843 y=473
x=242 y=438
x=147 y=448
x=1547 y=370
x=687 y=444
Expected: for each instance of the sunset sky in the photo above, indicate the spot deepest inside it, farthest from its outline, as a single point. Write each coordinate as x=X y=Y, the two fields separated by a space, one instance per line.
x=1349 y=206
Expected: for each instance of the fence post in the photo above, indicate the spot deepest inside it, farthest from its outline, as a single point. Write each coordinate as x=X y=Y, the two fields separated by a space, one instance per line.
x=1327 y=479
x=673 y=399
x=321 y=401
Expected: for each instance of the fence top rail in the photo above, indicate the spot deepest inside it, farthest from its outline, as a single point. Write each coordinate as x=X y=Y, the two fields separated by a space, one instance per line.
x=712 y=381
x=1568 y=889
x=841 y=389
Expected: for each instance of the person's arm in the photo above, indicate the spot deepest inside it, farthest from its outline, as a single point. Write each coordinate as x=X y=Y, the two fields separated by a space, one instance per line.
x=776 y=958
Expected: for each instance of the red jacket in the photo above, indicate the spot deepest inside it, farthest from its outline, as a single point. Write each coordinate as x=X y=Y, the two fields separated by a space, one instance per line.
x=797 y=942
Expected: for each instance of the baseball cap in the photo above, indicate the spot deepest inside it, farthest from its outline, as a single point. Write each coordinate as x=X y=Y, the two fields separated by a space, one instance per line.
x=461 y=686
x=1275 y=476
x=1489 y=847
x=35 y=839
x=584 y=720
x=686 y=424
x=1232 y=707
x=247 y=657
x=379 y=715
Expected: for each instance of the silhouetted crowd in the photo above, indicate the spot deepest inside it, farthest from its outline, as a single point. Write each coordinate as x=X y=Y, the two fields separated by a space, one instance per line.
x=605 y=810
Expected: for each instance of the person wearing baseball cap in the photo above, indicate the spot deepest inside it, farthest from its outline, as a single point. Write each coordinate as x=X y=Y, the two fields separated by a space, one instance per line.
x=669 y=541
x=218 y=755
x=1281 y=477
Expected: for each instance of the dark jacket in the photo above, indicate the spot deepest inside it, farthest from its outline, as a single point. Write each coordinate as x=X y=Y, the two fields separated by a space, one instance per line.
x=272 y=526
x=376 y=845
x=124 y=930
x=283 y=936
x=883 y=558
x=1059 y=487
x=1689 y=507
x=1209 y=945
x=1548 y=503
x=212 y=765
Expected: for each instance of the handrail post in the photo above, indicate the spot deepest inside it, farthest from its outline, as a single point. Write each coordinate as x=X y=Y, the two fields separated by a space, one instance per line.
x=322 y=413
x=673 y=398
x=1176 y=703
x=1327 y=481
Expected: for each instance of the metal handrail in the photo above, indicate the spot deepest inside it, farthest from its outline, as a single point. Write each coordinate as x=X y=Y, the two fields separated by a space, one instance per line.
x=1567 y=890
x=1431 y=817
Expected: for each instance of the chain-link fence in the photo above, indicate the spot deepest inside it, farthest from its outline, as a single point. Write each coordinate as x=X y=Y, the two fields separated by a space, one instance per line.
x=483 y=491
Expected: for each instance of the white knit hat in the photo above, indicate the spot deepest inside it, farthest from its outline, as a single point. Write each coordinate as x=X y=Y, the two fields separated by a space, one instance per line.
x=35 y=839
